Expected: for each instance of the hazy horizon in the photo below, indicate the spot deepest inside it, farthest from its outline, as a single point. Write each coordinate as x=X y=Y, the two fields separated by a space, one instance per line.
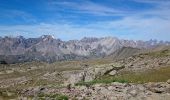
x=86 y=37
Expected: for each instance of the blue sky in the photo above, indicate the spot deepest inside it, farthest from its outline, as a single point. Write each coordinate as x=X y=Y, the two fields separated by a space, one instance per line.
x=74 y=19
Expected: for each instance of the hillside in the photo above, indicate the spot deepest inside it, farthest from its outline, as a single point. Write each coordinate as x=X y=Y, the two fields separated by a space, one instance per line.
x=141 y=76
x=124 y=52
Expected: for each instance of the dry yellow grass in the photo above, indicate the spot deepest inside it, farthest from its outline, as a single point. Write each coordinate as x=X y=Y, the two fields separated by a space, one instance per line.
x=155 y=75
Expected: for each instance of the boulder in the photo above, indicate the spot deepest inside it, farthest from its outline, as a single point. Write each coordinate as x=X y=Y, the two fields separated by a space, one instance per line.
x=133 y=92
x=100 y=70
x=89 y=75
x=113 y=72
x=75 y=78
x=168 y=81
x=92 y=73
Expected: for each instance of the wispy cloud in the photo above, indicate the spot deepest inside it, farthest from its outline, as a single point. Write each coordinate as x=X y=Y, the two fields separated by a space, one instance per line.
x=88 y=7
x=134 y=24
x=153 y=1
x=13 y=14
x=128 y=28
x=160 y=6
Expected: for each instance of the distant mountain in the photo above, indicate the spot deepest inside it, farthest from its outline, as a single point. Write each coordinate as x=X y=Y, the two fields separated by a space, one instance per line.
x=47 y=48
x=125 y=52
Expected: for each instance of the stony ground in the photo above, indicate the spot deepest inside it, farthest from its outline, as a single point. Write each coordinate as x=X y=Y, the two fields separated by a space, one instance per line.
x=112 y=91
x=99 y=79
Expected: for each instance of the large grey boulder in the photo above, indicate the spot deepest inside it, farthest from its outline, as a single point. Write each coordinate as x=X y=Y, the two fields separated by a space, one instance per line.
x=89 y=74
x=92 y=73
x=73 y=77
x=100 y=70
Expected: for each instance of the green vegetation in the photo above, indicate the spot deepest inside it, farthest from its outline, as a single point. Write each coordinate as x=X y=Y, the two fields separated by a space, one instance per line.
x=7 y=95
x=159 y=53
x=157 y=75
x=106 y=81
x=42 y=74
x=41 y=96
x=52 y=97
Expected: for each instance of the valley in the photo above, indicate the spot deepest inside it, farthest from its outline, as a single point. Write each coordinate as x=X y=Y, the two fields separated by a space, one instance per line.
x=144 y=75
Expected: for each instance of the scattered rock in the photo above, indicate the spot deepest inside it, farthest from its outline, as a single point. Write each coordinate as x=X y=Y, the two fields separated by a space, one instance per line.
x=159 y=87
x=114 y=91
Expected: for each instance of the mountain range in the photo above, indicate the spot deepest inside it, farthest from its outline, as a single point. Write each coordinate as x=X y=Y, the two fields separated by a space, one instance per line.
x=47 y=48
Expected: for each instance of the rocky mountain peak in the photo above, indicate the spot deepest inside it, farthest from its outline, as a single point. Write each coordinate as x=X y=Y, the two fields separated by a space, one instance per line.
x=87 y=39
x=20 y=37
x=47 y=37
x=47 y=48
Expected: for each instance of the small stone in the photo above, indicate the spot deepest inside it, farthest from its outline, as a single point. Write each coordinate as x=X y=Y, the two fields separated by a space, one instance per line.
x=133 y=92
x=168 y=81
x=110 y=88
x=10 y=94
x=81 y=87
x=113 y=72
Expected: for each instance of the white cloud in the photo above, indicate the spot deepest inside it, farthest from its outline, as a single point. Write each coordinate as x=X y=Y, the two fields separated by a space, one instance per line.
x=138 y=25
x=129 y=27
x=88 y=7
x=13 y=14
x=64 y=31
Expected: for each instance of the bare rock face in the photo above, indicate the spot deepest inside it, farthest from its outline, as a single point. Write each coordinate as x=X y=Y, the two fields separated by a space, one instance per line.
x=73 y=77
x=89 y=74
x=47 y=48
x=92 y=73
x=97 y=71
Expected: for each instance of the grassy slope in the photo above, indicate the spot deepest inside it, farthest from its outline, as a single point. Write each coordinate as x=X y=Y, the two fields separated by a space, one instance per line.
x=155 y=75
x=159 y=75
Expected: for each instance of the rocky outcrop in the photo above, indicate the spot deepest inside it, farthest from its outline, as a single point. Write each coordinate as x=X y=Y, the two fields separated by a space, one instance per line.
x=97 y=71
x=92 y=73
x=149 y=60
x=73 y=77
